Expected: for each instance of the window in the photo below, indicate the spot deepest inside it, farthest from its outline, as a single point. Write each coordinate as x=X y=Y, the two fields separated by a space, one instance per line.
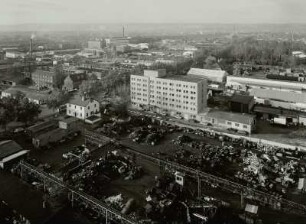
x=245 y=126
x=229 y=123
x=88 y=107
x=236 y=124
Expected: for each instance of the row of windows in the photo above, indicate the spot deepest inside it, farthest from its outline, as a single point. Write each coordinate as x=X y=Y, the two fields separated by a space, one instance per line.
x=75 y=107
x=237 y=125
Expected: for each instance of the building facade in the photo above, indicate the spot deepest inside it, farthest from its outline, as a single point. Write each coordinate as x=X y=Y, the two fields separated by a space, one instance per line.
x=235 y=121
x=181 y=96
x=274 y=93
x=44 y=78
x=73 y=81
x=82 y=108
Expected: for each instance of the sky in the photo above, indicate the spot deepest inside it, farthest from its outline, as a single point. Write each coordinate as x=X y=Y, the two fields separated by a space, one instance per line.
x=14 y=12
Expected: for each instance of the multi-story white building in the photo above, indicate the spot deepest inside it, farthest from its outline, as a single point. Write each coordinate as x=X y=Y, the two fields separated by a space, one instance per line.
x=82 y=108
x=184 y=96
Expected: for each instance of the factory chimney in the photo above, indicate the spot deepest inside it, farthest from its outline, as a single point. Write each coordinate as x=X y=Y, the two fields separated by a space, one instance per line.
x=123 y=31
x=31 y=44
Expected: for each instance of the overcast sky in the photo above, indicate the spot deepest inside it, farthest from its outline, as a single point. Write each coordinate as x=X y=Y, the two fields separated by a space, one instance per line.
x=152 y=11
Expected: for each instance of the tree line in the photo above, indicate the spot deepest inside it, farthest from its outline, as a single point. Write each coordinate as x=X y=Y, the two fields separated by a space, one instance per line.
x=17 y=108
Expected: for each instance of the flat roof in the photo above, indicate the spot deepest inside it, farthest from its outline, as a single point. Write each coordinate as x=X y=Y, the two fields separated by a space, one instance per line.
x=245 y=99
x=185 y=78
x=230 y=116
x=8 y=148
x=278 y=111
x=29 y=93
x=271 y=83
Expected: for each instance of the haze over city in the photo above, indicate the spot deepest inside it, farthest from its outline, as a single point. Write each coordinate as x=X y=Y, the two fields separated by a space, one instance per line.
x=14 y=12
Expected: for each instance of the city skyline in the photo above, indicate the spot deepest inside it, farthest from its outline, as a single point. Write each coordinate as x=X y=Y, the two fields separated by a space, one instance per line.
x=14 y=12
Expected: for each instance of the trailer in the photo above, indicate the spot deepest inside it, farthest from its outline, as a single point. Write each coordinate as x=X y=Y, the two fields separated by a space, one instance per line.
x=280 y=120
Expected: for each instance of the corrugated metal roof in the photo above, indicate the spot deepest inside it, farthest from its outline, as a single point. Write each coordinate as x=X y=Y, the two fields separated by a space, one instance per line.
x=284 y=96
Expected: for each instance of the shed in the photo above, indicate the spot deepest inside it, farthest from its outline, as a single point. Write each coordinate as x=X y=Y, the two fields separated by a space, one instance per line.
x=242 y=103
x=10 y=151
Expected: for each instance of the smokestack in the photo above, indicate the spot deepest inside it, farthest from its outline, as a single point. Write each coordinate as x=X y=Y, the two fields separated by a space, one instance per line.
x=31 y=45
x=123 y=31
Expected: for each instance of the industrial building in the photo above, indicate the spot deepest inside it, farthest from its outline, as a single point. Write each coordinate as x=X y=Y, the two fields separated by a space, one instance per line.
x=229 y=120
x=182 y=96
x=38 y=97
x=95 y=44
x=242 y=103
x=44 y=78
x=10 y=151
x=117 y=41
x=284 y=94
x=213 y=76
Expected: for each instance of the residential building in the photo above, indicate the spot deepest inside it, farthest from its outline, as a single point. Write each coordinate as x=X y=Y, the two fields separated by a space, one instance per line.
x=229 y=120
x=73 y=81
x=82 y=107
x=184 y=96
x=212 y=76
x=44 y=78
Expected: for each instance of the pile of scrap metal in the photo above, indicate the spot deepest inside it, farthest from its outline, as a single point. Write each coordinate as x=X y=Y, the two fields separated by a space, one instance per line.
x=164 y=198
x=118 y=165
x=117 y=202
x=108 y=168
x=114 y=129
x=79 y=152
x=149 y=134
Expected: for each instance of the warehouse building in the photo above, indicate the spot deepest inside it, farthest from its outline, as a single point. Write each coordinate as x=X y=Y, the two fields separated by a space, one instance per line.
x=10 y=152
x=235 y=121
x=183 y=96
x=284 y=94
x=44 y=78
x=242 y=103
x=212 y=76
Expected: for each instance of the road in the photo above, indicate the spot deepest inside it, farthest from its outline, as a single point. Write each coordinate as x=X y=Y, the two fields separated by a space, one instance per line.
x=269 y=139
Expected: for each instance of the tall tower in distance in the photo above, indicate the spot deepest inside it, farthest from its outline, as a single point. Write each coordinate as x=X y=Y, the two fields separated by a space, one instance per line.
x=31 y=45
x=123 y=31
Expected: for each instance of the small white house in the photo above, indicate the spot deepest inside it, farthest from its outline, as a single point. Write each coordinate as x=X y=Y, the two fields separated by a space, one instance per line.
x=82 y=108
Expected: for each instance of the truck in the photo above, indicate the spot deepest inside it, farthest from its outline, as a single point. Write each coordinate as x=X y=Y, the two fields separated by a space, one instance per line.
x=280 y=120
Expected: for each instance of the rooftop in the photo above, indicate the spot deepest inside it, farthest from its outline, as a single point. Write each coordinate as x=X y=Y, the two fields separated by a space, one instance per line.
x=241 y=99
x=8 y=148
x=29 y=93
x=230 y=116
x=206 y=72
x=80 y=101
x=185 y=78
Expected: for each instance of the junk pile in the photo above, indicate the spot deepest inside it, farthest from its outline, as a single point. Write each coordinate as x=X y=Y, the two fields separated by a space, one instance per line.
x=104 y=170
